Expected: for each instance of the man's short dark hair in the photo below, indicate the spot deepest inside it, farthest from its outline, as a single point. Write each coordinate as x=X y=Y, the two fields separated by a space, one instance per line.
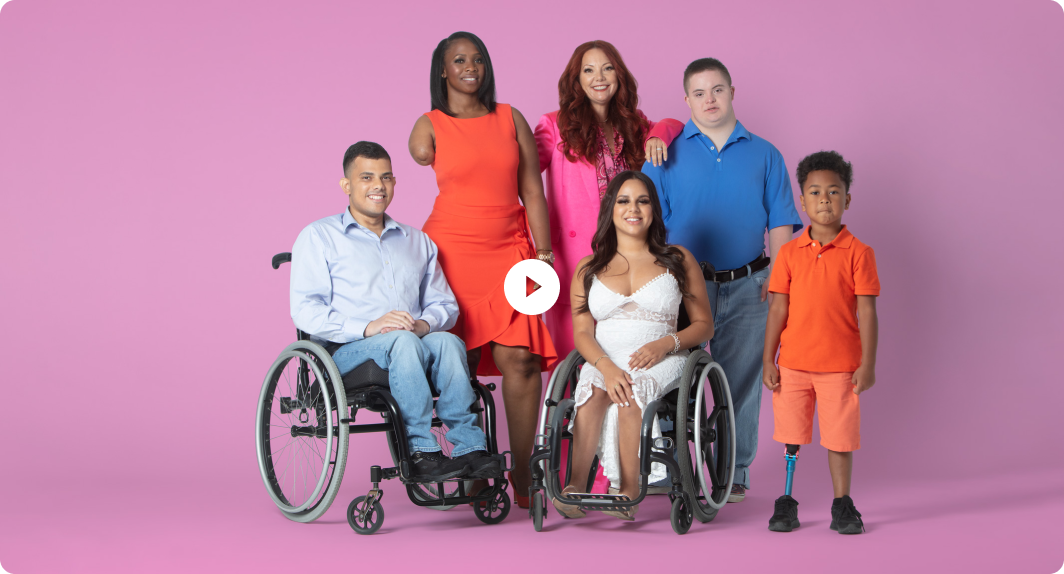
x=368 y=150
x=825 y=161
x=704 y=65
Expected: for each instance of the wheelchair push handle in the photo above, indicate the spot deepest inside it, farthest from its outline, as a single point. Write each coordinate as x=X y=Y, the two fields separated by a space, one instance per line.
x=281 y=258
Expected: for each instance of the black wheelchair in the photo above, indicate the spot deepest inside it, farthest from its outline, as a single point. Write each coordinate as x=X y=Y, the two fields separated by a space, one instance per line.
x=307 y=409
x=703 y=435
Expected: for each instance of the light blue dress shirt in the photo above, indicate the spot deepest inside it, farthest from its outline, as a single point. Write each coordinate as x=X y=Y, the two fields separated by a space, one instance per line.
x=719 y=202
x=344 y=277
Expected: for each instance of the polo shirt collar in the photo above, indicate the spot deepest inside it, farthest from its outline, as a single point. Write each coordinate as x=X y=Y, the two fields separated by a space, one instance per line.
x=844 y=239
x=690 y=130
x=347 y=220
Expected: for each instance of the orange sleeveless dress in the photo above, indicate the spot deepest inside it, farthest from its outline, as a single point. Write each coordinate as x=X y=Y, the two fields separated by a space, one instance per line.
x=481 y=230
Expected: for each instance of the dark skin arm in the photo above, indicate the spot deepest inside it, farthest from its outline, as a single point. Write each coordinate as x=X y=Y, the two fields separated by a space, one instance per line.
x=868 y=324
x=777 y=319
x=422 y=142
x=530 y=184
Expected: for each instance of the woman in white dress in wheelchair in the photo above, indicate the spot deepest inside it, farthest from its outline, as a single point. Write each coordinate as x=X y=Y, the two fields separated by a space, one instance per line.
x=625 y=328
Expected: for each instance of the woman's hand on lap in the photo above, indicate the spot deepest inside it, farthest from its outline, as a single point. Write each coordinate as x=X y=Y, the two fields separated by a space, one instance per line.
x=651 y=354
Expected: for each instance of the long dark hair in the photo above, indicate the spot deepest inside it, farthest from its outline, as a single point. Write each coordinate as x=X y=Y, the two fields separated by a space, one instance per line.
x=577 y=125
x=604 y=243
x=438 y=84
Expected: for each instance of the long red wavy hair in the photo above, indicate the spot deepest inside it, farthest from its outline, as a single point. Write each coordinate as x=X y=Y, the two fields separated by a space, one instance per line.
x=577 y=124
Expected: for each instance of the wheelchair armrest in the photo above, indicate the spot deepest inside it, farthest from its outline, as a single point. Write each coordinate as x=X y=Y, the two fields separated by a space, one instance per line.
x=281 y=258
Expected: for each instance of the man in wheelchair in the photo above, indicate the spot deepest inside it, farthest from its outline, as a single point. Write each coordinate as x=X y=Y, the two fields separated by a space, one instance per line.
x=369 y=288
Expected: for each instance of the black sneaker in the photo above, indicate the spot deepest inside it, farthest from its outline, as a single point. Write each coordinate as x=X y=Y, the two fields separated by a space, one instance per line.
x=785 y=518
x=434 y=467
x=481 y=464
x=844 y=516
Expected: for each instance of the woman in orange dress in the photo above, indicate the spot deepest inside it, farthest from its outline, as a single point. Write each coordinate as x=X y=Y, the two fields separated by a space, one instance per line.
x=486 y=160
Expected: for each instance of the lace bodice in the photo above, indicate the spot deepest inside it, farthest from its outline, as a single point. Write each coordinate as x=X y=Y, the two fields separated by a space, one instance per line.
x=652 y=309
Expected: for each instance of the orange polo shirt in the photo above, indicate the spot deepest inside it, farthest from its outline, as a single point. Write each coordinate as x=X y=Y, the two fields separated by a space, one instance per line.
x=823 y=282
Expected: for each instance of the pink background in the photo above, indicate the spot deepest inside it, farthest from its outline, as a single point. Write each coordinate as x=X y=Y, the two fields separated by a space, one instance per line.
x=154 y=155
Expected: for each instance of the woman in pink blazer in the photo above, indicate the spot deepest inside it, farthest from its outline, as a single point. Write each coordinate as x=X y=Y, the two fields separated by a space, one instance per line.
x=592 y=137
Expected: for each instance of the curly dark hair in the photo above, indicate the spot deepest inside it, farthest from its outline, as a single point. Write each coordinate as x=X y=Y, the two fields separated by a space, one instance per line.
x=438 y=84
x=604 y=243
x=577 y=125
x=825 y=161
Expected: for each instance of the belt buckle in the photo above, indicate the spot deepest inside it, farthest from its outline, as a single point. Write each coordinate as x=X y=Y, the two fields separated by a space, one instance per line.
x=732 y=275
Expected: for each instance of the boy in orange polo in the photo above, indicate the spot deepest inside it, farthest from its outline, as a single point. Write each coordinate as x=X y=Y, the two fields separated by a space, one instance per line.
x=824 y=314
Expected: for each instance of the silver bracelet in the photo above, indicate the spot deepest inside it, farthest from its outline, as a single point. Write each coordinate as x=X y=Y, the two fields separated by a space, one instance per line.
x=676 y=348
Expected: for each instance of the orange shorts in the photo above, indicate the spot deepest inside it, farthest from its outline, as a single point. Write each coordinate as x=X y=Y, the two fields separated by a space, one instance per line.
x=839 y=409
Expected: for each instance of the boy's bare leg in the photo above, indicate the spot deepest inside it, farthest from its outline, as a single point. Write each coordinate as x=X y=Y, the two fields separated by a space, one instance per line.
x=841 y=466
x=586 y=431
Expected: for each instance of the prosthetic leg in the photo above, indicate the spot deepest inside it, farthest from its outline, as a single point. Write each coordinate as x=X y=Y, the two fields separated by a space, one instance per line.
x=785 y=517
x=791 y=455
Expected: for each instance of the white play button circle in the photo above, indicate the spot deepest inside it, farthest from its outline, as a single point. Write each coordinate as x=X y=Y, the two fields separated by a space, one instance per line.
x=541 y=299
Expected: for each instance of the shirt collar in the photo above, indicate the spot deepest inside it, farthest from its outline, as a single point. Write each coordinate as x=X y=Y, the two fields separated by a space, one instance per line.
x=347 y=220
x=843 y=239
x=690 y=130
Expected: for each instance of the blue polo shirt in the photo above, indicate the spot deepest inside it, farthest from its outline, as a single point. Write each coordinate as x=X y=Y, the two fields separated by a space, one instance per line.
x=718 y=203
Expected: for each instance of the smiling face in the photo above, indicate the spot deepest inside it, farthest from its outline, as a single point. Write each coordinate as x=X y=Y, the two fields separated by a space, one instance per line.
x=824 y=198
x=463 y=67
x=369 y=185
x=632 y=210
x=598 y=77
x=709 y=96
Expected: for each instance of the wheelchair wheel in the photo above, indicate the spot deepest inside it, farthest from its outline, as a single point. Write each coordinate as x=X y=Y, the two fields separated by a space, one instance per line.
x=365 y=518
x=300 y=441
x=495 y=510
x=680 y=516
x=707 y=463
x=539 y=509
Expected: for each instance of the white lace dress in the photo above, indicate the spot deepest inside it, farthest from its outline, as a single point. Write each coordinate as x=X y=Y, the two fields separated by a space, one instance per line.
x=624 y=324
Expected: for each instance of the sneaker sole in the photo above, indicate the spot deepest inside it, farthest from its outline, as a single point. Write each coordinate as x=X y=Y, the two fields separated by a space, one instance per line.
x=736 y=497
x=856 y=529
x=783 y=526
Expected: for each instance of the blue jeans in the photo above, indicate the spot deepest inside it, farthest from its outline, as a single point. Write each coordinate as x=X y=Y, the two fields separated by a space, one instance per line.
x=407 y=359
x=738 y=343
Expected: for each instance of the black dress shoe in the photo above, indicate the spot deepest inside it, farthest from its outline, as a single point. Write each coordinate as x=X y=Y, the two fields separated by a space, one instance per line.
x=434 y=467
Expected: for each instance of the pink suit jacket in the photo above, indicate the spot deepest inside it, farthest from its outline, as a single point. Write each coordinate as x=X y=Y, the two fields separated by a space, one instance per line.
x=573 y=206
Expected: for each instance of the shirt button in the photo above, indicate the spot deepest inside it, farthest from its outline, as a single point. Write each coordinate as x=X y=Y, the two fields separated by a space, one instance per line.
x=572 y=234
x=712 y=148
x=391 y=286
x=385 y=262
x=718 y=159
x=818 y=256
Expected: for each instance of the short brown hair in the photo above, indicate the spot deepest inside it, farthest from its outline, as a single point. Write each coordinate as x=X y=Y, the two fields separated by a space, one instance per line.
x=704 y=65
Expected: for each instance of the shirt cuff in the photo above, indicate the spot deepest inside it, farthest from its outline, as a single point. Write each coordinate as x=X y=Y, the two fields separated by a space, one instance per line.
x=355 y=329
x=432 y=322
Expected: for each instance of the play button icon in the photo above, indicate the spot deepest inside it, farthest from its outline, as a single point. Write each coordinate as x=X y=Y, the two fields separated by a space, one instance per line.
x=516 y=287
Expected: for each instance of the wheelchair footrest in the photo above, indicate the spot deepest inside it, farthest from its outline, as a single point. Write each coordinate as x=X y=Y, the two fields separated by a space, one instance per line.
x=594 y=500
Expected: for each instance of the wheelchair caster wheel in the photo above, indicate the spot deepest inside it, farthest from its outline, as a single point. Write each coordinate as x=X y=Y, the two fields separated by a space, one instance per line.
x=539 y=508
x=680 y=516
x=495 y=510
x=365 y=518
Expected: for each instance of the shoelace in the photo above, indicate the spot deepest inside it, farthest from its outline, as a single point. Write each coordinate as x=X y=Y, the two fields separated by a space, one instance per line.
x=849 y=511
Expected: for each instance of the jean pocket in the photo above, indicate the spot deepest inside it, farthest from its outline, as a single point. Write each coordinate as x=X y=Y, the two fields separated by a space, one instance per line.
x=761 y=276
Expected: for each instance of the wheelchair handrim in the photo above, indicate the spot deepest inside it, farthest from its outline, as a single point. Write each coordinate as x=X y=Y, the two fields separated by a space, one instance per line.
x=700 y=461
x=259 y=439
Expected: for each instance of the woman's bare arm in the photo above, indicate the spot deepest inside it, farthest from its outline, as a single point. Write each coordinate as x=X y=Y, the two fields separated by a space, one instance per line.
x=530 y=184
x=423 y=141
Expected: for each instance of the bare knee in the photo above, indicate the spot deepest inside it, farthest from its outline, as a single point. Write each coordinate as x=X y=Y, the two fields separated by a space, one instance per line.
x=517 y=362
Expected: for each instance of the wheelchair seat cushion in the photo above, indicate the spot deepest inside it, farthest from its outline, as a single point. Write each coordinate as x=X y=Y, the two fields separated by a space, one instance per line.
x=365 y=375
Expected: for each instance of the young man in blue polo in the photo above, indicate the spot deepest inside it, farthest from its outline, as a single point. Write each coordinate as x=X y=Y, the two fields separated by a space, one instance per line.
x=721 y=189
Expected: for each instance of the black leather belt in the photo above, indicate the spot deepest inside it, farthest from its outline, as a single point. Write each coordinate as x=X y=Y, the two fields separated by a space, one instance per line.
x=754 y=266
